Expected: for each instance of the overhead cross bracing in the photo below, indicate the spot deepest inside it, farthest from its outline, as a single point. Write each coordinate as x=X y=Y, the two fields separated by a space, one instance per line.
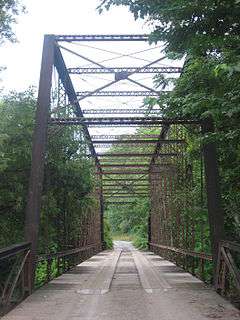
x=101 y=89
x=116 y=121
x=111 y=111
x=136 y=93
x=124 y=71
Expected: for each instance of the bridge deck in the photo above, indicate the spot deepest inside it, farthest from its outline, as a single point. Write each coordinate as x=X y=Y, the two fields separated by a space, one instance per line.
x=125 y=284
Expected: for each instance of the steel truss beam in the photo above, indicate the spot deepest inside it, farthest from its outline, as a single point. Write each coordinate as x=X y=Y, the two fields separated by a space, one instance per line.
x=118 y=202
x=129 y=196
x=124 y=165
x=70 y=91
x=124 y=71
x=119 y=162
x=123 y=191
x=126 y=180
x=139 y=141
x=123 y=172
x=124 y=136
x=119 y=120
x=159 y=144
x=126 y=185
x=107 y=145
x=133 y=155
x=102 y=37
x=126 y=193
x=81 y=94
x=121 y=111
x=119 y=187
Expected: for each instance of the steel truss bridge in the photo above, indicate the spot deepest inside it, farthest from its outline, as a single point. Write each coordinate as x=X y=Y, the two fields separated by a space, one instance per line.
x=148 y=166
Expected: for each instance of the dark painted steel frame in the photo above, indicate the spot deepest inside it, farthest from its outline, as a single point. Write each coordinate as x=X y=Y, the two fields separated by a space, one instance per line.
x=52 y=56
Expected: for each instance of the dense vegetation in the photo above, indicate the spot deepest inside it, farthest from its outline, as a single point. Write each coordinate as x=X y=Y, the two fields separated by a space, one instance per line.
x=207 y=34
x=130 y=220
x=69 y=179
x=9 y=10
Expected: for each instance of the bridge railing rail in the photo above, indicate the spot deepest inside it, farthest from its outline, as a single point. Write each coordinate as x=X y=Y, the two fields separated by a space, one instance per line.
x=14 y=280
x=228 y=271
x=15 y=283
x=50 y=266
x=194 y=262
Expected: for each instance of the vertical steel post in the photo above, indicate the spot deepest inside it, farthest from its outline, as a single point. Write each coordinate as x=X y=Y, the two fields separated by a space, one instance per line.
x=150 y=207
x=102 y=214
x=149 y=230
x=215 y=212
x=32 y=217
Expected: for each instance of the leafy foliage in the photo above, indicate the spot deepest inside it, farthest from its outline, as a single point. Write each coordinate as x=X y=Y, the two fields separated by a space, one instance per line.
x=9 y=9
x=193 y=27
x=107 y=234
x=68 y=198
x=130 y=220
x=207 y=34
x=16 y=125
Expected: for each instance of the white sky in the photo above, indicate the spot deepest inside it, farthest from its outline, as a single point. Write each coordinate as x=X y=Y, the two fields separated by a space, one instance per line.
x=56 y=17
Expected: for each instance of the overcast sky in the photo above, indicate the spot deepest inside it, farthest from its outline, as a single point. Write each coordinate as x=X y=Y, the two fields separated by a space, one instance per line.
x=56 y=17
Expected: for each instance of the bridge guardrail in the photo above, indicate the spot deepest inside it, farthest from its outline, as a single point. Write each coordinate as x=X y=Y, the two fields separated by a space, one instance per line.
x=192 y=261
x=14 y=281
x=228 y=280
x=52 y=265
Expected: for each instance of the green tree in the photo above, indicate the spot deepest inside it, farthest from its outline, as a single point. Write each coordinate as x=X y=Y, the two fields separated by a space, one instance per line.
x=188 y=26
x=9 y=10
x=207 y=34
x=69 y=184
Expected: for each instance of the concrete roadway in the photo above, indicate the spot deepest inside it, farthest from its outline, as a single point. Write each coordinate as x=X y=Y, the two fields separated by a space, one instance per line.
x=125 y=284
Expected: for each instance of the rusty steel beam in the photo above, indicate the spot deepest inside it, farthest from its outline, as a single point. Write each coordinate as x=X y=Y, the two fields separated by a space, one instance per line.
x=128 y=196
x=117 y=118
x=120 y=120
x=124 y=172
x=102 y=37
x=118 y=202
x=131 y=141
x=215 y=210
x=116 y=165
x=118 y=161
x=125 y=191
x=121 y=192
x=32 y=215
x=120 y=111
x=124 y=71
x=140 y=141
x=124 y=136
x=123 y=125
x=139 y=93
x=107 y=145
x=126 y=179
x=162 y=137
x=128 y=184
x=118 y=189
x=125 y=185
x=70 y=91
x=137 y=155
